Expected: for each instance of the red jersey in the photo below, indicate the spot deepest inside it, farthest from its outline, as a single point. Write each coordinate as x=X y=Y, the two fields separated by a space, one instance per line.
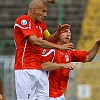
x=58 y=79
x=27 y=55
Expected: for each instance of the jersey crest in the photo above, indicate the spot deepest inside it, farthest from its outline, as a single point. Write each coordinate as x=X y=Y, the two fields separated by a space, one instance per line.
x=43 y=51
x=23 y=22
x=67 y=58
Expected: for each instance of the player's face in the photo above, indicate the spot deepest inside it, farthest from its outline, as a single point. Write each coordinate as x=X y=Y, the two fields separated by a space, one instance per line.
x=40 y=13
x=65 y=36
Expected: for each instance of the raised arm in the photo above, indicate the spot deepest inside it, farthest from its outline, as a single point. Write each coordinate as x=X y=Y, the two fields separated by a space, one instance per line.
x=93 y=51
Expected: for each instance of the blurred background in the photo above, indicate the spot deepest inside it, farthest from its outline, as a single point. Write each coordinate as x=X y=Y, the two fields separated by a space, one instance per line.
x=84 y=18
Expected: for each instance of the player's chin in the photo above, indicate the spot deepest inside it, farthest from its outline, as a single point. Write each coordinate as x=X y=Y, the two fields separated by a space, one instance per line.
x=66 y=41
x=40 y=20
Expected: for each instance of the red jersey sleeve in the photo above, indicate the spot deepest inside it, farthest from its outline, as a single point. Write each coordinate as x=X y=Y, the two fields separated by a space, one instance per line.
x=48 y=55
x=78 y=56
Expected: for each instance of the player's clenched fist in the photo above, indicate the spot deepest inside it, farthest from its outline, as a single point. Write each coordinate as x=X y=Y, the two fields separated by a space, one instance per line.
x=67 y=46
x=70 y=66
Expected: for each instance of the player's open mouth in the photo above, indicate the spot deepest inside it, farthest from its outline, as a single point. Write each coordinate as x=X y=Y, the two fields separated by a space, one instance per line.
x=67 y=38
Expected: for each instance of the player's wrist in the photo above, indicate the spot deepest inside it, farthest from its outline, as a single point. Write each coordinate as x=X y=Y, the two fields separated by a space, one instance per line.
x=61 y=65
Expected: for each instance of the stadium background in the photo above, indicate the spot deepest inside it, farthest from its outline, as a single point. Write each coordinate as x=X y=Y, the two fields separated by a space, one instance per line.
x=84 y=18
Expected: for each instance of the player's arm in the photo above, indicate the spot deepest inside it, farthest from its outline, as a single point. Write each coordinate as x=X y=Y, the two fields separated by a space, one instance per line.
x=93 y=51
x=45 y=44
x=1 y=89
x=2 y=96
x=49 y=66
x=55 y=36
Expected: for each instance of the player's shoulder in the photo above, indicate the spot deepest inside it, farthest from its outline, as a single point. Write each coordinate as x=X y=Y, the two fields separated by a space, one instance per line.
x=23 y=18
x=48 y=51
x=23 y=21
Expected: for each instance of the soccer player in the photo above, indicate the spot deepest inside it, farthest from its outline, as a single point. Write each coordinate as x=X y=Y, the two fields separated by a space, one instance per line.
x=56 y=62
x=31 y=35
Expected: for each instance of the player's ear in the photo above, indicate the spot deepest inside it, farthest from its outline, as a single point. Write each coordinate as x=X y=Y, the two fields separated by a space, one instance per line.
x=33 y=10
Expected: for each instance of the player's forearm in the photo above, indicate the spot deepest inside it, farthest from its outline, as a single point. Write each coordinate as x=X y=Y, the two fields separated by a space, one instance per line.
x=60 y=29
x=53 y=37
x=1 y=87
x=43 y=43
x=46 y=44
x=49 y=66
x=92 y=52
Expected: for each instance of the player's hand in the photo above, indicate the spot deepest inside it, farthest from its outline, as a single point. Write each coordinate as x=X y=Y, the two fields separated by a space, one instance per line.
x=1 y=97
x=98 y=41
x=62 y=28
x=70 y=66
x=67 y=46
